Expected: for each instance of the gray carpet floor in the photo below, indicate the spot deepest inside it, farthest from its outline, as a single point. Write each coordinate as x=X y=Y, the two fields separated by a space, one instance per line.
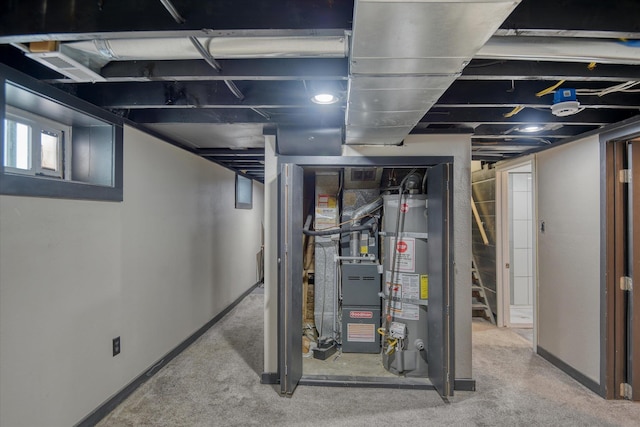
x=215 y=382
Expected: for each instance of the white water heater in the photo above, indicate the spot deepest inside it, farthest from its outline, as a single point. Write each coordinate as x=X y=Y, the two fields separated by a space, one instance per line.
x=406 y=283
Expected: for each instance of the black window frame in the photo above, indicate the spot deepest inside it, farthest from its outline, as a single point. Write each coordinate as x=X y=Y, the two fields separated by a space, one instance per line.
x=38 y=186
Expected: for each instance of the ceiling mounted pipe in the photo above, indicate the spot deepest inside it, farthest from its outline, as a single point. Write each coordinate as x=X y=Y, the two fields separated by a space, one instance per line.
x=218 y=47
x=559 y=49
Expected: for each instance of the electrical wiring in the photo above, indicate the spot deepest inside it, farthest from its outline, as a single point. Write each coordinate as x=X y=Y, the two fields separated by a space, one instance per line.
x=515 y=111
x=625 y=87
x=550 y=89
x=543 y=92
x=622 y=87
x=391 y=342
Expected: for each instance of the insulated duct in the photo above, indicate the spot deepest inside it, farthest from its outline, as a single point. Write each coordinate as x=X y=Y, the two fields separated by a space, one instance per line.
x=562 y=49
x=405 y=54
x=81 y=61
x=219 y=47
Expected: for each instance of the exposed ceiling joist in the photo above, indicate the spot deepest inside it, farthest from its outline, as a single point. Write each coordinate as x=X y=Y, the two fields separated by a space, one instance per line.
x=520 y=143
x=243 y=166
x=196 y=94
x=311 y=116
x=226 y=152
x=496 y=116
x=484 y=132
x=293 y=94
x=584 y=15
x=493 y=93
x=232 y=69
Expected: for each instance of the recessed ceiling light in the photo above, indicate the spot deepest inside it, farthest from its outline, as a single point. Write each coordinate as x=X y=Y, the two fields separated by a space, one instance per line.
x=324 y=98
x=531 y=128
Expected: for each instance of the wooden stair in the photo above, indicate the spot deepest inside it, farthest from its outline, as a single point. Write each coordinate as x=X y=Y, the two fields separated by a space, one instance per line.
x=479 y=302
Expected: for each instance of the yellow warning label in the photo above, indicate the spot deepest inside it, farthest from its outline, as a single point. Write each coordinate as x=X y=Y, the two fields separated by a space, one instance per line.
x=326 y=201
x=424 y=286
x=364 y=249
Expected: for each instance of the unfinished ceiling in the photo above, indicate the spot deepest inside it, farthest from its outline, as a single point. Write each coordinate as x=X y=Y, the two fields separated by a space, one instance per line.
x=215 y=76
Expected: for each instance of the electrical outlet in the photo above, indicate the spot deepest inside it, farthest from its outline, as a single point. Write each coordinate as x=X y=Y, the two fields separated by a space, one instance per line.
x=116 y=346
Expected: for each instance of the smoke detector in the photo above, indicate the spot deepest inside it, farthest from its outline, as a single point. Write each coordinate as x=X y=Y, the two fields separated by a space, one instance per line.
x=565 y=103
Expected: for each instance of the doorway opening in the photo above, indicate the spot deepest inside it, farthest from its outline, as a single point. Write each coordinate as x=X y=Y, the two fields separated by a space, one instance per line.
x=365 y=272
x=622 y=305
x=515 y=257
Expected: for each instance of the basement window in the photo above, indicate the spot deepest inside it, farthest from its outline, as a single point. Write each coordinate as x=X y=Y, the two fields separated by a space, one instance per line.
x=34 y=145
x=55 y=145
x=244 y=192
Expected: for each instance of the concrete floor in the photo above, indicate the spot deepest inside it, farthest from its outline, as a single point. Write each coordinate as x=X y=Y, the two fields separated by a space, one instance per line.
x=215 y=382
x=526 y=333
x=348 y=364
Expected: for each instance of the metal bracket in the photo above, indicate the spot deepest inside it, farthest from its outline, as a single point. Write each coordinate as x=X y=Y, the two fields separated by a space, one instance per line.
x=626 y=283
x=626 y=390
x=625 y=176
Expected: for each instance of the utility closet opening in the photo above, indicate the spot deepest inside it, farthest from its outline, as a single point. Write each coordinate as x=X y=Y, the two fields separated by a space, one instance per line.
x=373 y=277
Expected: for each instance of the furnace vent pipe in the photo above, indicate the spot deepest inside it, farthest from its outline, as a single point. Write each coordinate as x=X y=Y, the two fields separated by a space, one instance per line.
x=367 y=209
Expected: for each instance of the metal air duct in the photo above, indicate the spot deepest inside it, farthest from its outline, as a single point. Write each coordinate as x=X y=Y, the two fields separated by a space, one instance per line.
x=405 y=54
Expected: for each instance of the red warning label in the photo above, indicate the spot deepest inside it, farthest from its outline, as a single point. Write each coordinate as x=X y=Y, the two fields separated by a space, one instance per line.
x=405 y=250
x=361 y=314
x=404 y=208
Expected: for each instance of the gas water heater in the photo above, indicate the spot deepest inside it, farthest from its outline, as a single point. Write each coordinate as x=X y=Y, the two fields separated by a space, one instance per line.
x=406 y=284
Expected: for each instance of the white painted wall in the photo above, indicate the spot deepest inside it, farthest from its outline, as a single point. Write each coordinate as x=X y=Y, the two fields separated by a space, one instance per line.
x=568 y=201
x=152 y=269
x=458 y=146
